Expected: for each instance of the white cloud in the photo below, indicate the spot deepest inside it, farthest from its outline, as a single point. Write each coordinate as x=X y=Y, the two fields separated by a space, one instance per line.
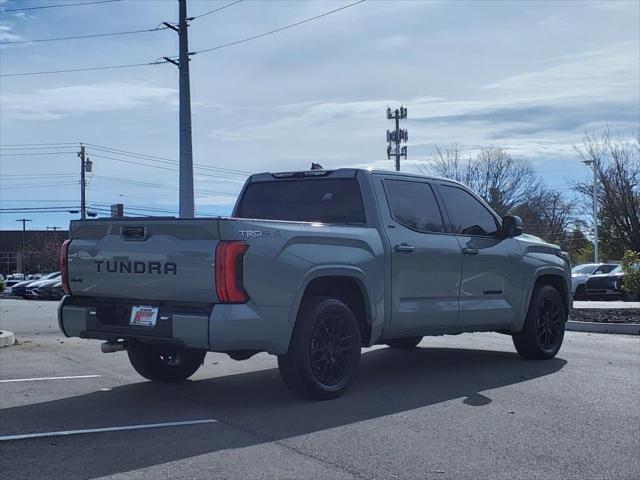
x=6 y=35
x=57 y=102
x=539 y=113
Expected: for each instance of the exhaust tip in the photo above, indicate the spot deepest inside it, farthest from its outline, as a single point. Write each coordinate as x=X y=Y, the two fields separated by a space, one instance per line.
x=110 y=347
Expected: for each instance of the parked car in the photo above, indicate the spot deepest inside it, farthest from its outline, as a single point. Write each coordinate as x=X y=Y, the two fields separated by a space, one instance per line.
x=31 y=288
x=16 y=276
x=8 y=286
x=50 y=291
x=606 y=285
x=311 y=267
x=20 y=287
x=580 y=274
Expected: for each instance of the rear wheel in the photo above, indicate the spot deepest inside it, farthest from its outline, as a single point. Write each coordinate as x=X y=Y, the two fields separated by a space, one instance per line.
x=325 y=351
x=165 y=364
x=544 y=326
x=404 y=343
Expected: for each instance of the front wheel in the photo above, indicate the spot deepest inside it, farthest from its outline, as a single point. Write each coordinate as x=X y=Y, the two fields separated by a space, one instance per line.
x=165 y=364
x=543 y=332
x=324 y=353
x=580 y=293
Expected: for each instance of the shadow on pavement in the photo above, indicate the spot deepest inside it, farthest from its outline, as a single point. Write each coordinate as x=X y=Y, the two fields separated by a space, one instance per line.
x=252 y=408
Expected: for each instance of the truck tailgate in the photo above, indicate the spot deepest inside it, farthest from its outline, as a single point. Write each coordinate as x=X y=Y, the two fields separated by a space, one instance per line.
x=157 y=259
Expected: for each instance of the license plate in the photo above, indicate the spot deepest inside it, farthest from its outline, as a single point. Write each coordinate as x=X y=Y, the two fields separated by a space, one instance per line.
x=143 y=315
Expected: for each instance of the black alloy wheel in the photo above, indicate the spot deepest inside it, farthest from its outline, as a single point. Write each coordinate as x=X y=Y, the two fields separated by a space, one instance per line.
x=549 y=323
x=544 y=326
x=331 y=351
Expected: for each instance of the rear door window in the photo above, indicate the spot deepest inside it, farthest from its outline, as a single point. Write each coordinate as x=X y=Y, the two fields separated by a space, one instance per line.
x=414 y=205
x=323 y=200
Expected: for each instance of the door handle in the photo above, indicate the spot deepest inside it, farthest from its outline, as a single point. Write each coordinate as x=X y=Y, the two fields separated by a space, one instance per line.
x=470 y=251
x=404 y=248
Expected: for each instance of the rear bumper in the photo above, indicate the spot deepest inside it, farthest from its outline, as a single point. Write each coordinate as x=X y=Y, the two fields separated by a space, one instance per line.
x=220 y=328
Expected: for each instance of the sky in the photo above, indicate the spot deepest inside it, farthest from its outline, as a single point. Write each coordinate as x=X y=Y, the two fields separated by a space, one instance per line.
x=530 y=77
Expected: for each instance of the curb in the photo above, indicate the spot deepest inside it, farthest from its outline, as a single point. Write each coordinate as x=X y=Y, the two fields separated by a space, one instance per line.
x=7 y=339
x=593 y=327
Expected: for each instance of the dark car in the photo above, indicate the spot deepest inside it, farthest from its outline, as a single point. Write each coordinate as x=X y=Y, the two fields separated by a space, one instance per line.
x=27 y=289
x=606 y=285
x=20 y=289
x=49 y=291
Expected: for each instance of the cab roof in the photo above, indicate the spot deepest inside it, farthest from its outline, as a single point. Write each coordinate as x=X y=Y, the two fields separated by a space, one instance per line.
x=340 y=173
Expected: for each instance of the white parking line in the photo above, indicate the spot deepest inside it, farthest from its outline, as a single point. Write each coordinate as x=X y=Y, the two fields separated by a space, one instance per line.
x=107 y=429
x=46 y=378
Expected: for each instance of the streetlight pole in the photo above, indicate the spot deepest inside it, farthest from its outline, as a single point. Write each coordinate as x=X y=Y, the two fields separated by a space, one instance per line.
x=592 y=164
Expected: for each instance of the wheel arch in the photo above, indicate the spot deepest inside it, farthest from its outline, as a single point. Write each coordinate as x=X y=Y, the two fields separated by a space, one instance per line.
x=555 y=277
x=348 y=284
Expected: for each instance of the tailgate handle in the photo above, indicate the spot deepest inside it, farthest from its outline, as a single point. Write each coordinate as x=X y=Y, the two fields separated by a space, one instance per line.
x=134 y=233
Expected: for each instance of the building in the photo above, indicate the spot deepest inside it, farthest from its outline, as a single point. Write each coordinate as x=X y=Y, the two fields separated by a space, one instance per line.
x=30 y=251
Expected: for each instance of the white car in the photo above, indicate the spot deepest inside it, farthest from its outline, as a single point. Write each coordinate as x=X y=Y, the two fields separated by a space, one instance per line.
x=581 y=273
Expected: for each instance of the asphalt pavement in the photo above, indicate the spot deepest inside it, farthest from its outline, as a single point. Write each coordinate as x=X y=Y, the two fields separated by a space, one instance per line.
x=458 y=407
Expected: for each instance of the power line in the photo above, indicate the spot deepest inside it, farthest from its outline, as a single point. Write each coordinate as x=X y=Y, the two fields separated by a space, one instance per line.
x=87 y=69
x=165 y=160
x=161 y=167
x=155 y=185
x=159 y=62
x=271 y=32
x=27 y=209
x=38 y=185
x=34 y=144
x=35 y=175
x=52 y=147
x=78 y=4
x=215 y=10
x=34 y=153
x=79 y=37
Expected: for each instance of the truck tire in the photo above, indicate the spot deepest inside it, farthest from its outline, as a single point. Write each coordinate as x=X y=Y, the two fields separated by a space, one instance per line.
x=165 y=364
x=404 y=343
x=580 y=293
x=324 y=353
x=543 y=332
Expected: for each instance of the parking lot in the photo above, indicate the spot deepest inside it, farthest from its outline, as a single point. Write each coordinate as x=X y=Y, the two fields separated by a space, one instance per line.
x=456 y=408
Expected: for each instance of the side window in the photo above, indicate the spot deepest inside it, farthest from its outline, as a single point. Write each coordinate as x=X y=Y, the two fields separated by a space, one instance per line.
x=468 y=216
x=414 y=205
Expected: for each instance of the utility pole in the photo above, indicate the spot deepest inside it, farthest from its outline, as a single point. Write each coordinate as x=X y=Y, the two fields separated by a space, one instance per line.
x=186 y=203
x=397 y=136
x=83 y=184
x=22 y=255
x=593 y=166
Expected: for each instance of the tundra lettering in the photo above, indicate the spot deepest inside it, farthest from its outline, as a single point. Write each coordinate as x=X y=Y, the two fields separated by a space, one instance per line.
x=118 y=266
x=311 y=267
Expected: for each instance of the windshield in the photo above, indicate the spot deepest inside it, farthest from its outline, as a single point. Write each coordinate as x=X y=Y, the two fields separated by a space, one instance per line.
x=51 y=275
x=580 y=269
x=323 y=200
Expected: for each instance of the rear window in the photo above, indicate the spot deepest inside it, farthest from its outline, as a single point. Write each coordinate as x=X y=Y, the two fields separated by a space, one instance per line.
x=323 y=200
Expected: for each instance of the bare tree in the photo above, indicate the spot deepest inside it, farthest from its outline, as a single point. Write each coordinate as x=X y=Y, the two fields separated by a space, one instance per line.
x=502 y=181
x=617 y=167
x=547 y=214
x=509 y=185
x=43 y=252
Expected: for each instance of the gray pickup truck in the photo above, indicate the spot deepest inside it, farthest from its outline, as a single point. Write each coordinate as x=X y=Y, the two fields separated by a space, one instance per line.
x=311 y=267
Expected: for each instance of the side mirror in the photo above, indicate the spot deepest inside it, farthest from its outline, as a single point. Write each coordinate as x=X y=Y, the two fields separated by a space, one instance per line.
x=511 y=226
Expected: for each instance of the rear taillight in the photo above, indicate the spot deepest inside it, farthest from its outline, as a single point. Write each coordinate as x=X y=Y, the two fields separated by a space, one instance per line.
x=229 y=267
x=64 y=266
